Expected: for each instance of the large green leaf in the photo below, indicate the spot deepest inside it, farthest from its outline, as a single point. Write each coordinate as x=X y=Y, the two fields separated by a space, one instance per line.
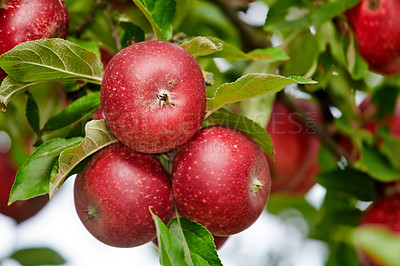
x=350 y=181
x=97 y=137
x=33 y=176
x=251 y=128
x=199 y=241
x=376 y=165
x=159 y=13
x=10 y=88
x=184 y=242
x=249 y=86
x=378 y=243
x=74 y=112
x=32 y=114
x=37 y=257
x=51 y=59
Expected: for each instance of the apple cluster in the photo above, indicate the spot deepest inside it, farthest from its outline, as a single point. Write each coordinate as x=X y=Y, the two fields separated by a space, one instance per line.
x=153 y=99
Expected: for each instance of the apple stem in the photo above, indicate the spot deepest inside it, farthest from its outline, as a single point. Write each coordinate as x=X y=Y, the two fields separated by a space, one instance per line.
x=90 y=213
x=257 y=185
x=164 y=97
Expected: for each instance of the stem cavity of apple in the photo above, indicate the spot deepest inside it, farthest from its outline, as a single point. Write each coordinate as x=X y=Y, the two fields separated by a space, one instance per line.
x=256 y=185
x=91 y=213
x=373 y=4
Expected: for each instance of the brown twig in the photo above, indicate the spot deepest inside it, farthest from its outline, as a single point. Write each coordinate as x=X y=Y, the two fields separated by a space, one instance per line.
x=114 y=30
x=251 y=39
x=97 y=4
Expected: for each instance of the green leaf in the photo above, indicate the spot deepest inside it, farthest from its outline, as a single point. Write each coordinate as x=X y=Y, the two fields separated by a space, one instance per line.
x=74 y=112
x=159 y=13
x=32 y=114
x=97 y=137
x=269 y=54
x=385 y=99
x=331 y=9
x=390 y=147
x=200 y=242
x=37 y=256
x=251 y=128
x=33 y=176
x=51 y=59
x=376 y=165
x=249 y=86
x=201 y=46
x=172 y=251
x=10 y=88
x=288 y=15
x=131 y=33
x=379 y=243
x=350 y=181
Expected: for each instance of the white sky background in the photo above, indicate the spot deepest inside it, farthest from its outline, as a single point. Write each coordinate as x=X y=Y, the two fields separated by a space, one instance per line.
x=269 y=241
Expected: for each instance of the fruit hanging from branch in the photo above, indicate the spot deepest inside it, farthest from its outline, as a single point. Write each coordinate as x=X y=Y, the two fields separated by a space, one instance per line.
x=296 y=146
x=22 y=21
x=376 y=27
x=153 y=96
x=114 y=192
x=221 y=179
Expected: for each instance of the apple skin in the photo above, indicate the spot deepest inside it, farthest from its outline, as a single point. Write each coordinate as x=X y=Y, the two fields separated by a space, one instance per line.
x=135 y=78
x=384 y=213
x=376 y=26
x=22 y=21
x=296 y=147
x=114 y=192
x=221 y=179
x=20 y=210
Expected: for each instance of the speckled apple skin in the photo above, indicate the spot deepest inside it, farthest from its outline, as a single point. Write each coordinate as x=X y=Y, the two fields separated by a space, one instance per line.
x=121 y=185
x=386 y=213
x=296 y=147
x=20 y=210
x=211 y=180
x=22 y=20
x=133 y=79
x=376 y=26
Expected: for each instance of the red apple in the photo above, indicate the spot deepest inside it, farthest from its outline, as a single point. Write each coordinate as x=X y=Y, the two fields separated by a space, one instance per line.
x=221 y=179
x=22 y=21
x=384 y=213
x=153 y=96
x=296 y=147
x=376 y=26
x=19 y=210
x=114 y=192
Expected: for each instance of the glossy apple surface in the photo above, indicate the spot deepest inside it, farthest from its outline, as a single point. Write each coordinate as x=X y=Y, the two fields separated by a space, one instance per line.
x=114 y=192
x=376 y=26
x=22 y=21
x=384 y=213
x=153 y=96
x=296 y=147
x=221 y=179
x=19 y=210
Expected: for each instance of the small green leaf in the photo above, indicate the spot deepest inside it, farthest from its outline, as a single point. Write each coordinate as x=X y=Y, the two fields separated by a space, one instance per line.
x=159 y=13
x=172 y=251
x=97 y=137
x=251 y=128
x=51 y=59
x=33 y=176
x=249 y=86
x=131 y=34
x=10 y=88
x=81 y=108
x=200 y=242
x=350 y=181
x=376 y=165
x=37 y=256
x=331 y=9
x=379 y=243
x=200 y=46
x=390 y=147
x=269 y=54
x=32 y=114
